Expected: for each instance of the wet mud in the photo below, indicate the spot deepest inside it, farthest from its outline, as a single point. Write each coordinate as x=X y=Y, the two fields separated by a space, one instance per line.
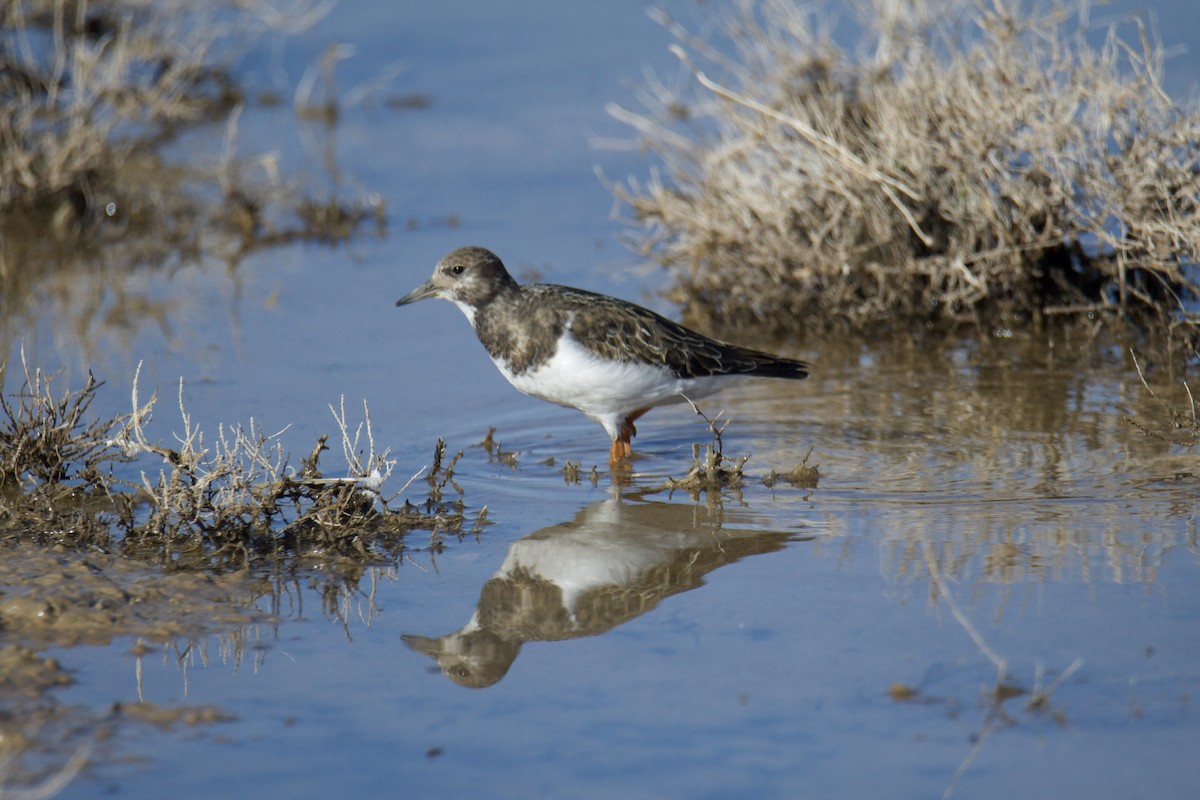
x=55 y=599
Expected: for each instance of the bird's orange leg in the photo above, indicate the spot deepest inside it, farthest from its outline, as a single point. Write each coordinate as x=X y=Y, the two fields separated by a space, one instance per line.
x=622 y=449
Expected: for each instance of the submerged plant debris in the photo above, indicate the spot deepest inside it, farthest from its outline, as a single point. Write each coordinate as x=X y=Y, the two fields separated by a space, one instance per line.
x=801 y=476
x=712 y=471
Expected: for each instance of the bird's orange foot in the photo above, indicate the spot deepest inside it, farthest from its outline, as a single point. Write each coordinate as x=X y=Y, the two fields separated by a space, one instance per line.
x=620 y=453
x=622 y=450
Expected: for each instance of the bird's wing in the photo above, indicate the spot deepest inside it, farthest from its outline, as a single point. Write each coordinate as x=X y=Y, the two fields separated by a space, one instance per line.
x=613 y=328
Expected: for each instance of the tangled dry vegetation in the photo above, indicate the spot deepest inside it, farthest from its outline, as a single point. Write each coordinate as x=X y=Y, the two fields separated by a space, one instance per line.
x=95 y=93
x=224 y=501
x=966 y=162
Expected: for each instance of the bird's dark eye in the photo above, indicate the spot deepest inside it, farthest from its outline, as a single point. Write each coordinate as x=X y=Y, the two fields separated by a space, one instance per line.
x=457 y=269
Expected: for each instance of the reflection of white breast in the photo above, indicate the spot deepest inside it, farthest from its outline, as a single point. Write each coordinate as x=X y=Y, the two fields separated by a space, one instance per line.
x=583 y=559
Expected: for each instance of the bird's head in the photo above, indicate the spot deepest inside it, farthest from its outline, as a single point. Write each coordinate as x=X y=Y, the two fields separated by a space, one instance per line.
x=468 y=276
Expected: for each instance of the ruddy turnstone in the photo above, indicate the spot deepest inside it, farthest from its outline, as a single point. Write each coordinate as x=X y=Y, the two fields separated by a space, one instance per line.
x=609 y=358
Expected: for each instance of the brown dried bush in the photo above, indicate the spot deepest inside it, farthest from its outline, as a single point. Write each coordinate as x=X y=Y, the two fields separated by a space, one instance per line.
x=968 y=161
x=211 y=501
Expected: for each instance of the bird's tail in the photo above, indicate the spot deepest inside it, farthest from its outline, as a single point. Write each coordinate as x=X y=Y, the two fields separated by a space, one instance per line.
x=768 y=366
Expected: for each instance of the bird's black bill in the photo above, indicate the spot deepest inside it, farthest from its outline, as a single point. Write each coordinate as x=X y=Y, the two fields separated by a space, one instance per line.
x=423 y=291
x=422 y=644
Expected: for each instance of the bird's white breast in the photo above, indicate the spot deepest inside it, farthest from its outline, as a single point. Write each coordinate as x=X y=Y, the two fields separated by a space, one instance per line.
x=603 y=389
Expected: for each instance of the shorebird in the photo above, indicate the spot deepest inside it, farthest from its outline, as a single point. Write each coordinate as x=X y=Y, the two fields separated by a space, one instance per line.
x=609 y=358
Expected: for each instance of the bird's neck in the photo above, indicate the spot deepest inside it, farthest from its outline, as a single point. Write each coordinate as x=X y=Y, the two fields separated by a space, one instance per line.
x=468 y=311
x=498 y=302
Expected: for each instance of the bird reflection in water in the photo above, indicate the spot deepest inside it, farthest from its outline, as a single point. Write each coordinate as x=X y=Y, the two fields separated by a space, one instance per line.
x=616 y=560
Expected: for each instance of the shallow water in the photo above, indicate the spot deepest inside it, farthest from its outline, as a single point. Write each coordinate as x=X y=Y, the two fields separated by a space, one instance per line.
x=984 y=513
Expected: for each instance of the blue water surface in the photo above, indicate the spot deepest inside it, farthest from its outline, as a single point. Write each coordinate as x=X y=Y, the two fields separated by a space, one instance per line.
x=837 y=641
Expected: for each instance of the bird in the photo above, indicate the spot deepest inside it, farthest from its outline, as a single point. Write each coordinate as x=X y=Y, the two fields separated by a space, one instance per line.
x=609 y=358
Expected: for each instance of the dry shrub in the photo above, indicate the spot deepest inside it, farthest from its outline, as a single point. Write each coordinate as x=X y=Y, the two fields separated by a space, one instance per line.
x=220 y=500
x=47 y=438
x=966 y=161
